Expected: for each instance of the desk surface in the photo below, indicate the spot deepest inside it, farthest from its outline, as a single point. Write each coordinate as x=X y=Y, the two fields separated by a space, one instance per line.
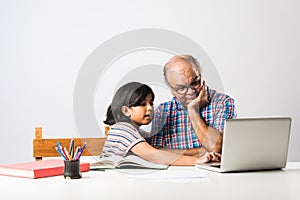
x=112 y=184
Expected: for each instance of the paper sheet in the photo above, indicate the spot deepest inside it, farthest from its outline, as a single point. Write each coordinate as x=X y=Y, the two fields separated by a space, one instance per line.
x=176 y=174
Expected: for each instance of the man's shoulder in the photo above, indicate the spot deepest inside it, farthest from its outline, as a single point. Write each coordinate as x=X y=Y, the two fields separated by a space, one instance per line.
x=167 y=104
x=215 y=95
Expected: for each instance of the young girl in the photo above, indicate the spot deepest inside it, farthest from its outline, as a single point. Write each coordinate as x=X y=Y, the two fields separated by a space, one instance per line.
x=131 y=107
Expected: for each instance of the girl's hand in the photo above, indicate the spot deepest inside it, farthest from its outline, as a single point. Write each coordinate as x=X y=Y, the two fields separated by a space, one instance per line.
x=209 y=157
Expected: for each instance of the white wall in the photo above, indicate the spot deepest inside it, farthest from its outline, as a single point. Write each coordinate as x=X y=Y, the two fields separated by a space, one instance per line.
x=255 y=46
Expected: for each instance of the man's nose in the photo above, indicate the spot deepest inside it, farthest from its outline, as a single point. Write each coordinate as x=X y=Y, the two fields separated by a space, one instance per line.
x=190 y=90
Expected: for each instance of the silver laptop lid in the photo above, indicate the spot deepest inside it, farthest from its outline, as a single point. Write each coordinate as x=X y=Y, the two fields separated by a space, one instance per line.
x=255 y=143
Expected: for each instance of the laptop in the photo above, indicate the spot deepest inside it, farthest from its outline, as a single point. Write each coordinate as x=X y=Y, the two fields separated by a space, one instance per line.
x=251 y=144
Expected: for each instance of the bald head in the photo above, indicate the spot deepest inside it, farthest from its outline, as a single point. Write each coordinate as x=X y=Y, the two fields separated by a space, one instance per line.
x=183 y=66
x=181 y=75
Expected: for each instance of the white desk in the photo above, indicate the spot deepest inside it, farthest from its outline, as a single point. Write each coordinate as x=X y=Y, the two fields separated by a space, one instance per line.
x=280 y=184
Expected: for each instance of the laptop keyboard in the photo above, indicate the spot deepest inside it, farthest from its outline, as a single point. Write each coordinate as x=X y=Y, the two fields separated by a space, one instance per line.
x=216 y=165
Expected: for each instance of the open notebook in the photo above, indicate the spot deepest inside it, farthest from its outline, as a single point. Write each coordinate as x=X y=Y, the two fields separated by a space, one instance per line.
x=253 y=144
x=129 y=162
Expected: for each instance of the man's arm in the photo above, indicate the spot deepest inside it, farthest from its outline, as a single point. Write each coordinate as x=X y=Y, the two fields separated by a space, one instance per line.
x=211 y=139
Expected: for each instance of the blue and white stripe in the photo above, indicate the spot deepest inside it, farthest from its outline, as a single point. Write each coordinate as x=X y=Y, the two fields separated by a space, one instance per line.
x=122 y=136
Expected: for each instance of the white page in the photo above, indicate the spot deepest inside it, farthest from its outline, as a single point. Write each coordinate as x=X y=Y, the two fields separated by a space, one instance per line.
x=172 y=174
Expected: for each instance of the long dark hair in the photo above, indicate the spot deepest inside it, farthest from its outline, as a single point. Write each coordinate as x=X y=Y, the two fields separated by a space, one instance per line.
x=130 y=94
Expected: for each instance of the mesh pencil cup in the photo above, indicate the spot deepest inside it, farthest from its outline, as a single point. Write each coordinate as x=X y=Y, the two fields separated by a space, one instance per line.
x=72 y=169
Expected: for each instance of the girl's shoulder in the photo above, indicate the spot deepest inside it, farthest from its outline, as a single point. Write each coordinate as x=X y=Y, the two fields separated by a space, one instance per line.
x=124 y=130
x=123 y=126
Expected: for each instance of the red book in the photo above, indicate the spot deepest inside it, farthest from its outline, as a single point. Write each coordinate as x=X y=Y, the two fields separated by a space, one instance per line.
x=38 y=169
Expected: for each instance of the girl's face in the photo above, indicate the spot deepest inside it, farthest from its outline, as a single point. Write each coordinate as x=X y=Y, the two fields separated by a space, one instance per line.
x=142 y=114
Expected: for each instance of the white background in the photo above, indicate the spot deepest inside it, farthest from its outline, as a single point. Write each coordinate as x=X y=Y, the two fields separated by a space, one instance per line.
x=255 y=46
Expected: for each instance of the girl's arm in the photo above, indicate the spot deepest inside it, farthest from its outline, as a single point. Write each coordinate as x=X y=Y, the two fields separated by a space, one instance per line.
x=147 y=152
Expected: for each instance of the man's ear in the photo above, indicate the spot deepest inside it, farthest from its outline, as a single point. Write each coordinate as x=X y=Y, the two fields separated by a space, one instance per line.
x=173 y=93
x=126 y=111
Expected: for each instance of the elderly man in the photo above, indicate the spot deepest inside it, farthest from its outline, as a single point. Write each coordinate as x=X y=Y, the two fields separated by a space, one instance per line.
x=193 y=120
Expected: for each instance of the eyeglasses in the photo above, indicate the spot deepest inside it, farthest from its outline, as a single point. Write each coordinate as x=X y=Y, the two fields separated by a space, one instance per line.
x=182 y=89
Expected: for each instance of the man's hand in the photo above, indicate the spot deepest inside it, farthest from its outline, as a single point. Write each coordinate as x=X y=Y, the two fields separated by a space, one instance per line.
x=201 y=100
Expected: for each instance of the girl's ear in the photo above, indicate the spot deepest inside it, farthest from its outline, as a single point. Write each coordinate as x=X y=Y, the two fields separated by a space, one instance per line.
x=126 y=111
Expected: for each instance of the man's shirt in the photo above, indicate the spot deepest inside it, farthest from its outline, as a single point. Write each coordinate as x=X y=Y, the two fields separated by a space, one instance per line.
x=171 y=126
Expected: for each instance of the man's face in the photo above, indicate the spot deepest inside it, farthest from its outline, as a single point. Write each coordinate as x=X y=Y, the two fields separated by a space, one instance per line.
x=184 y=83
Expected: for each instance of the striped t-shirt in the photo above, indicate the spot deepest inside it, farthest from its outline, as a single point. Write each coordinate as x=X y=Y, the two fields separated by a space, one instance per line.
x=122 y=136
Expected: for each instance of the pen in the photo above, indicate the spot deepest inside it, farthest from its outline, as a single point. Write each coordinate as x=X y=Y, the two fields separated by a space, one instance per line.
x=71 y=148
x=83 y=147
x=62 y=150
x=59 y=145
x=59 y=151
x=67 y=153
x=81 y=151
x=76 y=153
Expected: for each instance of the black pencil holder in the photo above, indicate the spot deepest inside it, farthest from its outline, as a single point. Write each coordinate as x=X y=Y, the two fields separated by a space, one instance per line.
x=72 y=169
